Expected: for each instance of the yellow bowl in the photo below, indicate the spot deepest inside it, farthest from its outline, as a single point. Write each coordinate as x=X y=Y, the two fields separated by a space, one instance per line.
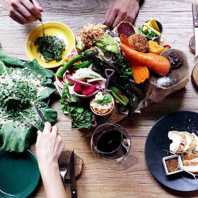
x=51 y=28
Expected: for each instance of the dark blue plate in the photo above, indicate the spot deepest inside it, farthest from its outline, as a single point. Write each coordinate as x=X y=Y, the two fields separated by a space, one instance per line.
x=157 y=147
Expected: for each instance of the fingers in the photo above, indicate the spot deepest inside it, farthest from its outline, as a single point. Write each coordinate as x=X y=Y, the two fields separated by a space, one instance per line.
x=23 y=11
x=47 y=128
x=32 y=11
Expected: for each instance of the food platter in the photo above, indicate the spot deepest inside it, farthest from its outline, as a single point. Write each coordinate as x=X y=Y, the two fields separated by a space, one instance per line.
x=51 y=28
x=19 y=175
x=157 y=147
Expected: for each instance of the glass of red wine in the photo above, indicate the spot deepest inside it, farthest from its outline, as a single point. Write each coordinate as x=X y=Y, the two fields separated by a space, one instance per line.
x=111 y=143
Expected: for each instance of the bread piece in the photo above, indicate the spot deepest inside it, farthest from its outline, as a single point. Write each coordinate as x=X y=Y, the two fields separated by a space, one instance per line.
x=183 y=142
x=191 y=143
x=178 y=141
x=190 y=162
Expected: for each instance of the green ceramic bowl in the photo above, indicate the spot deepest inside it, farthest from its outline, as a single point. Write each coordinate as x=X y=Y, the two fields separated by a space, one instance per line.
x=19 y=174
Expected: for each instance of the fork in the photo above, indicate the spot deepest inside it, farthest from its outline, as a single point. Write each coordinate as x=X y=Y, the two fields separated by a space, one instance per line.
x=62 y=167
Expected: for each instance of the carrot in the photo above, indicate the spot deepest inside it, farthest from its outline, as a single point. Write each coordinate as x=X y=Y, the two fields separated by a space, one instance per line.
x=140 y=72
x=124 y=40
x=159 y=64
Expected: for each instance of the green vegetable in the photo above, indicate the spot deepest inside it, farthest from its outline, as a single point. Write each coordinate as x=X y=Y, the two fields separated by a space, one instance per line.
x=150 y=34
x=51 y=47
x=106 y=99
x=124 y=67
x=119 y=96
x=68 y=65
x=21 y=84
x=108 y=43
x=81 y=65
x=81 y=118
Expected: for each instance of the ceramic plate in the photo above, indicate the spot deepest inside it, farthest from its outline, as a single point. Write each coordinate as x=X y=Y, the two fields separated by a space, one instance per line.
x=19 y=174
x=157 y=145
x=51 y=28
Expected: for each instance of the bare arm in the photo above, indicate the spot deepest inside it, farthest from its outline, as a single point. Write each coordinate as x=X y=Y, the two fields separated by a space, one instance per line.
x=23 y=11
x=121 y=10
x=49 y=146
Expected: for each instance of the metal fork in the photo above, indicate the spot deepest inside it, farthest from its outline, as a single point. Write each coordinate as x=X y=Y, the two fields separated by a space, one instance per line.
x=62 y=167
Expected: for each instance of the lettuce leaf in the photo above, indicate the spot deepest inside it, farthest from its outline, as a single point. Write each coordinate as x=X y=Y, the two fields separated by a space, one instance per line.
x=22 y=84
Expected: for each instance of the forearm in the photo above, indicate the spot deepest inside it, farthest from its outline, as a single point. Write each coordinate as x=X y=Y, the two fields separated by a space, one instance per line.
x=52 y=181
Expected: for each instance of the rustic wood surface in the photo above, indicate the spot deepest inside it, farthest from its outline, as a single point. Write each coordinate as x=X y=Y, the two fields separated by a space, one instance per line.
x=96 y=180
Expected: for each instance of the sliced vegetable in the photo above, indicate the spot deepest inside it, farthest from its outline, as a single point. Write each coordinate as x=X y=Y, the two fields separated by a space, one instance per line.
x=124 y=40
x=84 y=73
x=77 y=88
x=119 y=96
x=68 y=65
x=140 y=72
x=87 y=90
x=73 y=80
x=159 y=64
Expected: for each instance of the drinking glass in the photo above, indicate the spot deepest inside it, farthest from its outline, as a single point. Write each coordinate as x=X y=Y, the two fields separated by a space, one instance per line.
x=111 y=143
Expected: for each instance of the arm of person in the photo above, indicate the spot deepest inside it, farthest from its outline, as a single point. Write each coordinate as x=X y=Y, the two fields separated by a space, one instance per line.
x=49 y=146
x=23 y=11
x=121 y=10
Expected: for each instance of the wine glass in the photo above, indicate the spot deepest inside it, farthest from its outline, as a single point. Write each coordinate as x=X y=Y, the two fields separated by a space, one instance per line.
x=111 y=144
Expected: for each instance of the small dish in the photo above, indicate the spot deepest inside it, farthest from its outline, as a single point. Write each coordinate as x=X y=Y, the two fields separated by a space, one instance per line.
x=51 y=28
x=93 y=103
x=171 y=164
x=157 y=38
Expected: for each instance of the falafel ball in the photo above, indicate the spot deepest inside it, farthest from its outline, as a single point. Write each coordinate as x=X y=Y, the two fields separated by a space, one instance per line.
x=138 y=42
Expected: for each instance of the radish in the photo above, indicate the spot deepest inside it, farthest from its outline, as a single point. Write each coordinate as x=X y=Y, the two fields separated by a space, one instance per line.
x=77 y=88
x=87 y=90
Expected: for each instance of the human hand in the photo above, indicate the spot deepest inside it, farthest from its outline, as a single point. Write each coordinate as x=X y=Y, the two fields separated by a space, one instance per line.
x=23 y=11
x=49 y=146
x=121 y=10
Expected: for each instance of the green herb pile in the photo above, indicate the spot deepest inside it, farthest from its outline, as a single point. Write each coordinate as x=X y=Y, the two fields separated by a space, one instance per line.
x=81 y=117
x=51 y=47
x=150 y=34
x=21 y=85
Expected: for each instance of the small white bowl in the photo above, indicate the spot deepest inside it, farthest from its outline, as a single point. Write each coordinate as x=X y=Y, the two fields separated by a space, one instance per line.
x=172 y=157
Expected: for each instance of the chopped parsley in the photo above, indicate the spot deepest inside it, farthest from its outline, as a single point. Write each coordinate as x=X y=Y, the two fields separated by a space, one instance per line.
x=51 y=47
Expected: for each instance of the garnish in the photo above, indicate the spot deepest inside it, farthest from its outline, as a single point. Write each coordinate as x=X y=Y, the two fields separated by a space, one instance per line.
x=81 y=118
x=106 y=99
x=150 y=34
x=51 y=47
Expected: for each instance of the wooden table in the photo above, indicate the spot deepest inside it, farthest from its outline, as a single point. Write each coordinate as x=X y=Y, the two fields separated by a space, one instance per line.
x=96 y=180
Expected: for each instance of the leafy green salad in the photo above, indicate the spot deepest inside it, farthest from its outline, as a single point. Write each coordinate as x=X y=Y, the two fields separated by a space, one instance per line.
x=21 y=85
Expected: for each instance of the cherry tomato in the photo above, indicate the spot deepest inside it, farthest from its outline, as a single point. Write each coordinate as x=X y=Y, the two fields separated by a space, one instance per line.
x=167 y=46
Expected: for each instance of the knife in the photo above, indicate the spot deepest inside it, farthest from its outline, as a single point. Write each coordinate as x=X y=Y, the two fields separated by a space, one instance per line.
x=195 y=23
x=41 y=116
x=72 y=176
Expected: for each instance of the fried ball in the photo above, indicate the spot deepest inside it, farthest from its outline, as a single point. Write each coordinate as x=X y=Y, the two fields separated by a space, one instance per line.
x=138 y=42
